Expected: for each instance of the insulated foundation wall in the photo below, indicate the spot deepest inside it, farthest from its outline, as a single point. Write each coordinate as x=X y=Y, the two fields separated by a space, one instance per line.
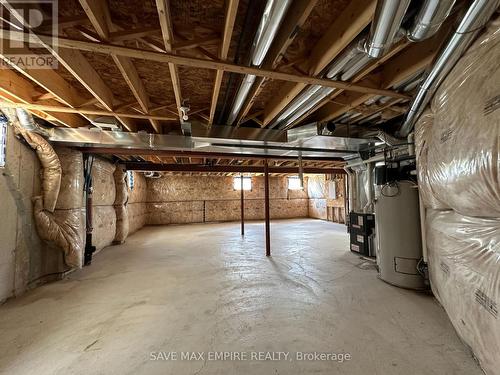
x=25 y=260
x=457 y=147
x=191 y=199
x=103 y=198
x=136 y=205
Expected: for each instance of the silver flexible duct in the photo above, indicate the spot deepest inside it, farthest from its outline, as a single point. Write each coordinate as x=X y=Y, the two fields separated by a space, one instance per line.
x=474 y=20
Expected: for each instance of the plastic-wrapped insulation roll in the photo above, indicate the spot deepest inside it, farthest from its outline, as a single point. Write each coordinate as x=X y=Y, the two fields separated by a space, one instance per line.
x=51 y=180
x=120 y=206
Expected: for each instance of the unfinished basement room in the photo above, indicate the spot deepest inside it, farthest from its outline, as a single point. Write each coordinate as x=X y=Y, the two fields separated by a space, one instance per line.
x=250 y=187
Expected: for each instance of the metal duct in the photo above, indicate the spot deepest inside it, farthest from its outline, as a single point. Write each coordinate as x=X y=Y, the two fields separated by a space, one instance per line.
x=274 y=12
x=241 y=95
x=474 y=20
x=387 y=20
x=353 y=59
x=298 y=102
x=271 y=19
x=385 y=27
x=429 y=19
x=315 y=100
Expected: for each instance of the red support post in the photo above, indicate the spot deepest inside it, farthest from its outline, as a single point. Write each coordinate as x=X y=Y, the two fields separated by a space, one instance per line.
x=242 y=208
x=266 y=204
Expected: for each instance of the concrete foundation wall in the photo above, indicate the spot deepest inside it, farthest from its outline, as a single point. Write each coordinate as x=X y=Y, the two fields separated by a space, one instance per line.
x=25 y=260
x=191 y=199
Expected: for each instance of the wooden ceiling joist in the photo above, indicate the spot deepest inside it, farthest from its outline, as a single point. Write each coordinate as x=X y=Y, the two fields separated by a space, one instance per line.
x=48 y=79
x=16 y=89
x=89 y=111
x=231 y=11
x=98 y=14
x=204 y=64
x=343 y=30
x=163 y=8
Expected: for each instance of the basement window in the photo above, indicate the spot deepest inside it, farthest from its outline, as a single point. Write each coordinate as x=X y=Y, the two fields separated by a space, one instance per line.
x=247 y=183
x=3 y=141
x=294 y=183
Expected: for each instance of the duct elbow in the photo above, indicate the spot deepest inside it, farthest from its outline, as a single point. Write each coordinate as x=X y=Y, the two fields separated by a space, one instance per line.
x=51 y=168
x=62 y=231
x=429 y=19
x=388 y=18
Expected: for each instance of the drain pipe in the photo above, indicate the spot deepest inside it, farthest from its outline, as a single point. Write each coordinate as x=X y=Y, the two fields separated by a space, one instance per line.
x=274 y=13
x=474 y=20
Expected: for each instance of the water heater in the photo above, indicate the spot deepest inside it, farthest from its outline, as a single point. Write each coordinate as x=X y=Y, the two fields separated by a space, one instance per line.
x=397 y=225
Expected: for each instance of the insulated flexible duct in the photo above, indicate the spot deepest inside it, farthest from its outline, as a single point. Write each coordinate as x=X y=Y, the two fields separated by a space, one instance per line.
x=120 y=205
x=59 y=227
x=62 y=231
x=51 y=168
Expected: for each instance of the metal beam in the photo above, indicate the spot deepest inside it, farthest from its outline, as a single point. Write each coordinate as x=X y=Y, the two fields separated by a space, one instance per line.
x=199 y=154
x=147 y=166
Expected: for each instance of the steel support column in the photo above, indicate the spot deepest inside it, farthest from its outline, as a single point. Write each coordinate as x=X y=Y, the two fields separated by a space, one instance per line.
x=266 y=204
x=242 y=207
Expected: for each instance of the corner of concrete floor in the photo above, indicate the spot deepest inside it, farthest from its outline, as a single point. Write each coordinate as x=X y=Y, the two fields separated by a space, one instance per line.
x=204 y=288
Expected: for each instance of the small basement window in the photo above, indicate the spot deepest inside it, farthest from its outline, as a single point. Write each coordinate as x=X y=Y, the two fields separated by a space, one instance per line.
x=3 y=141
x=247 y=183
x=294 y=183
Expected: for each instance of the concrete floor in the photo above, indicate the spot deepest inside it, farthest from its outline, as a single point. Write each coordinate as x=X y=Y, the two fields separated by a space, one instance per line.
x=203 y=288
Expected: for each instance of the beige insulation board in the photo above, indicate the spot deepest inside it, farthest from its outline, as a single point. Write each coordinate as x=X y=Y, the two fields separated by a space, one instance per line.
x=186 y=188
x=187 y=199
